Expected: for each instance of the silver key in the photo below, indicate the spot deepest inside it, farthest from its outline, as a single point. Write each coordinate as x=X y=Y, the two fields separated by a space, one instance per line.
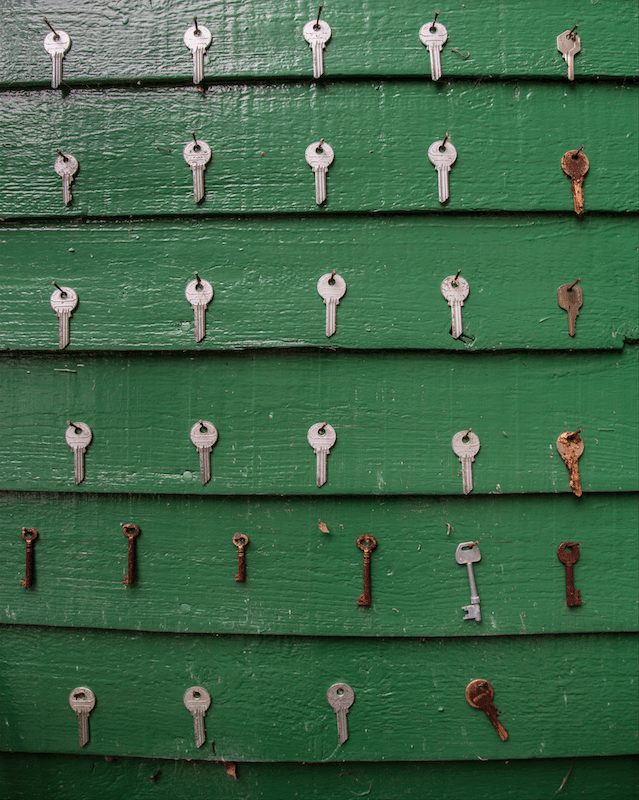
x=434 y=35
x=469 y=557
x=57 y=44
x=455 y=290
x=204 y=435
x=317 y=33
x=321 y=438
x=466 y=452
x=66 y=166
x=340 y=697
x=82 y=701
x=78 y=436
x=319 y=156
x=199 y=293
x=569 y=44
x=197 y=155
x=442 y=161
x=332 y=288
x=197 y=700
x=64 y=301
x=198 y=39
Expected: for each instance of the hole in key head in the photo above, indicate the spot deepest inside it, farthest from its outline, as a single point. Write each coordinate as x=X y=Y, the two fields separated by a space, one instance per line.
x=203 y=429
x=196 y=695
x=79 y=695
x=339 y=691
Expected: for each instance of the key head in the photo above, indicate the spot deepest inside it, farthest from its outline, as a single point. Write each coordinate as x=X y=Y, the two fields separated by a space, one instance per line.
x=68 y=167
x=366 y=542
x=240 y=540
x=194 y=40
x=467 y=556
x=454 y=293
x=199 y=294
x=321 y=436
x=64 y=299
x=433 y=34
x=203 y=434
x=78 y=435
x=575 y=164
x=570 y=445
x=58 y=42
x=570 y=298
x=29 y=535
x=131 y=530
x=197 y=154
x=197 y=700
x=568 y=44
x=314 y=31
x=82 y=699
x=468 y=448
x=442 y=158
x=331 y=287
x=340 y=696
x=480 y=694
x=319 y=155
x=568 y=556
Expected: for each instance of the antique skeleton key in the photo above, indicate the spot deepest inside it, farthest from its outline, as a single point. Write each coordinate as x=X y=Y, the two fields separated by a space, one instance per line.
x=321 y=438
x=570 y=446
x=367 y=543
x=469 y=557
x=575 y=164
x=480 y=694
x=82 y=701
x=131 y=531
x=569 y=558
x=442 y=156
x=198 y=39
x=319 y=156
x=332 y=288
x=56 y=43
x=204 y=436
x=63 y=301
x=199 y=293
x=197 y=700
x=29 y=535
x=241 y=541
x=197 y=155
x=78 y=436
x=466 y=445
x=569 y=44
x=340 y=698
x=455 y=290
x=317 y=33
x=66 y=166
x=434 y=36
x=571 y=299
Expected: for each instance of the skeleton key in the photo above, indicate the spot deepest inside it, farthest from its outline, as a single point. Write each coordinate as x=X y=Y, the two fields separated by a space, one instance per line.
x=569 y=558
x=571 y=299
x=204 y=435
x=197 y=155
x=442 y=160
x=57 y=43
x=78 y=436
x=466 y=452
x=569 y=44
x=455 y=291
x=82 y=701
x=575 y=164
x=321 y=438
x=131 y=531
x=199 y=293
x=434 y=35
x=470 y=557
x=29 y=535
x=366 y=543
x=66 y=167
x=332 y=288
x=480 y=694
x=319 y=156
x=317 y=33
x=241 y=541
x=570 y=446
x=198 y=39
x=340 y=698
x=63 y=301
x=197 y=700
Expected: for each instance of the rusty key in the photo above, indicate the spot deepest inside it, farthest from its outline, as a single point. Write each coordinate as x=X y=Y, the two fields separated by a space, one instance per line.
x=241 y=540
x=366 y=543
x=131 y=531
x=575 y=164
x=571 y=299
x=29 y=535
x=570 y=446
x=480 y=694
x=569 y=558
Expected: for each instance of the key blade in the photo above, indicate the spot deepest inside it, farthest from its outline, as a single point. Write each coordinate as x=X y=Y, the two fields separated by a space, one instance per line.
x=331 y=322
x=342 y=725
x=205 y=464
x=442 y=183
x=199 y=311
x=198 y=724
x=83 y=728
x=198 y=65
x=435 y=61
x=320 y=185
x=472 y=612
x=78 y=464
x=467 y=474
x=321 y=466
x=318 y=59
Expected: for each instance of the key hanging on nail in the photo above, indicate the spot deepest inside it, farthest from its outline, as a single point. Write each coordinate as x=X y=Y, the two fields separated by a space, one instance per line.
x=66 y=166
x=468 y=553
x=197 y=700
x=575 y=164
x=570 y=298
x=321 y=438
x=569 y=44
x=57 y=44
x=204 y=436
x=63 y=301
x=199 y=293
x=455 y=290
x=570 y=446
x=367 y=543
x=29 y=535
x=317 y=33
x=434 y=36
x=241 y=541
x=340 y=698
x=319 y=156
x=331 y=287
x=480 y=694
x=197 y=155
x=78 y=436
x=442 y=156
x=82 y=701
x=131 y=531
x=569 y=558
x=466 y=445
x=198 y=39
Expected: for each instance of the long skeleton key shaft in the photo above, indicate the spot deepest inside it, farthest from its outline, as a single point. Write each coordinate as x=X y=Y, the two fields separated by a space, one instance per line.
x=198 y=39
x=434 y=35
x=340 y=698
x=204 y=436
x=480 y=694
x=455 y=290
x=575 y=164
x=131 y=531
x=29 y=535
x=199 y=293
x=367 y=543
x=197 y=155
x=57 y=44
x=82 y=701
x=241 y=541
x=571 y=299
x=466 y=452
x=469 y=557
x=570 y=446
x=321 y=438
x=569 y=44
x=442 y=160
x=197 y=700
x=317 y=33
x=319 y=156
x=78 y=436
x=66 y=166
x=64 y=301
x=569 y=558
x=332 y=288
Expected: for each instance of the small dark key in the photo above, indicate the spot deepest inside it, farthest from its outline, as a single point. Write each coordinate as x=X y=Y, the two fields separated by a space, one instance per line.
x=569 y=558
x=575 y=164
x=131 y=531
x=571 y=299
x=241 y=540
x=29 y=535
x=480 y=694
x=366 y=543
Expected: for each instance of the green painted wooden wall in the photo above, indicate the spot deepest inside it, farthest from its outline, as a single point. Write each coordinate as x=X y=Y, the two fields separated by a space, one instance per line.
x=392 y=381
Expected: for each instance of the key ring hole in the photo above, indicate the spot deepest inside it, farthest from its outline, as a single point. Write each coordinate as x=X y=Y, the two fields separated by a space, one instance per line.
x=79 y=695
x=331 y=281
x=196 y=695
x=199 y=287
x=63 y=295
x=442 y=148
x=319 y=150
x=203 y=429
x=196 y=148
x=465 y=439
x=339 y=691
x=322 y=431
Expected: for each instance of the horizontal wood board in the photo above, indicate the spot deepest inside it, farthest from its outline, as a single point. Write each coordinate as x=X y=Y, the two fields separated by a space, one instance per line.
x=129 y=144
x=131 y=277
x=125 y=41
x=305 y=580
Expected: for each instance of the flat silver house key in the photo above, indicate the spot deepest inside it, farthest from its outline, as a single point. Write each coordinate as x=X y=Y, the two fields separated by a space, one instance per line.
x=455 y=291
x=199 y=293
x=66 y=167
x=321 y=438
x=317 y=33
x=332 y=287
x=569 y=44
x=340 y=697
x=442 y=160
x=319 y=156
x=197 y=700
x=197 y=155
x=78 y=436
x=204 y=435
x=82 y=701
x=64 y=301
x=198 y=39
x=57 y=43
x=434 y=35
x=466 y=452
x=469 y=557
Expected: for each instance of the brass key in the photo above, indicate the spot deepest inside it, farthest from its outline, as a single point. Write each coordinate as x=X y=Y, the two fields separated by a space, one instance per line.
x=575 y=164
x=570 y=446
x=480 y=694
x=241 y=540
x=367 y=544
x=569 y=558
x=131 y=531
x=29 y=535
x=570 y=298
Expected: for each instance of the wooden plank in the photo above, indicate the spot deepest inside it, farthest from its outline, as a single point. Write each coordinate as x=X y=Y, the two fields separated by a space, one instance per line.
x=126 y=42
x=304 y=581
x=131 y=278
x=544 y=686
x=129 y=145
x=395 y=414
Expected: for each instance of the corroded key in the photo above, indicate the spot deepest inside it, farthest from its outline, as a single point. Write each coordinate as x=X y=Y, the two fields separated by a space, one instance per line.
x=466 y=445
x=480 y=694
x=570 y=446
x=204 y=436
x=197 y=700
x=569 y=558
x=321 y=438
x=198 y=39
x=569 y=44
x=455 y=290
x=63 y=301
x=434 y=36
x=575 y=164
x=29 y=535
x=442 y=156
x=367 y=543
x=241 y=541
x=319 y=156
x=57 y=44
x=82 y=701
x=571 y=299
x=331 y=287
x=78 y=436
x=317 y=33
x=340 y=698
x=199 y=293
x=66 y=166
x=197 y=155
x=131 y=531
